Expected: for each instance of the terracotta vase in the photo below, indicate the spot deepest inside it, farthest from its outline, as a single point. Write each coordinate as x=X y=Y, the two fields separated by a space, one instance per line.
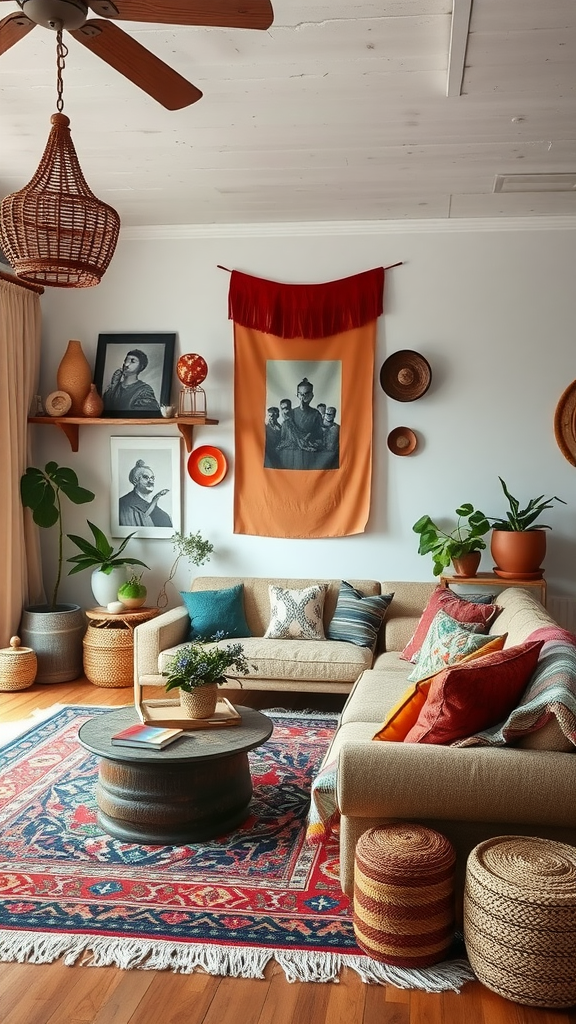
x=93 y=404
x=467 y=565
x=518 y=554
x=201 y=703
x=74 y=376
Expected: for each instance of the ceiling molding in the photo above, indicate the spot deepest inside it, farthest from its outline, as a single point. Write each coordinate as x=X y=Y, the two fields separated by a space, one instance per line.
x=155 y=232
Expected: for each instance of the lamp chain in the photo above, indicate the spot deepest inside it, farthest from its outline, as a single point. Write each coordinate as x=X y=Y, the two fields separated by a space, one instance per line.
x=61 y=54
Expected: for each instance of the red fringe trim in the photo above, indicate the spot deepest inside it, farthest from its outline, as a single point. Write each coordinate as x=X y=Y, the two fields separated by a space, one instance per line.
x=306 y=310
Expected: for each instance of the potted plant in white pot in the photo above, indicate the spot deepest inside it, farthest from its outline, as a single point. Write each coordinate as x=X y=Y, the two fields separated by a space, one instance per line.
x=54 y=631
x=108 y=565
x=197 y=670
x=518 y=543
x=462 y=546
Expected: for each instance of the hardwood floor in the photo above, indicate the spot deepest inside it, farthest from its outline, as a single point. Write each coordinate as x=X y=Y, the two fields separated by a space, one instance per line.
x=56 y=994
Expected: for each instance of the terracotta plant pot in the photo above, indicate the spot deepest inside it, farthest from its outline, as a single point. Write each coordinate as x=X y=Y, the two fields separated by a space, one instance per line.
x=518 y=553
x=201 y=703
x=467 y=565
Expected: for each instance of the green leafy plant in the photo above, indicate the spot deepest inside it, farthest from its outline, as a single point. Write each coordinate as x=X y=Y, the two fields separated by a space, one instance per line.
x=133 y=588
x=467 y=536
x=40 y=491
x=100 y=555
x=191 y=546
x=200 y=663
x=522 y=519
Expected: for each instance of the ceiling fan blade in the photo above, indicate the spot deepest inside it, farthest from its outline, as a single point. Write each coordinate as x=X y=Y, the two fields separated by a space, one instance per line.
x=222 y=13
x=135 y=62
x=12 y=29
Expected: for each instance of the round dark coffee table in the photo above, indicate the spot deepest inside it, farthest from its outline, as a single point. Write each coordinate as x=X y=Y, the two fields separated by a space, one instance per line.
x=197 y=788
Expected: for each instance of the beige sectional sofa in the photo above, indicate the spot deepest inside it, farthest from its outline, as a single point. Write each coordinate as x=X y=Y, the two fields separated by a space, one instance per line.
x=322 y=666
x=467 y=793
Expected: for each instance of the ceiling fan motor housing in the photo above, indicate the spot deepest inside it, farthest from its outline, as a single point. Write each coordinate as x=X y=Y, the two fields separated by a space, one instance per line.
x=55 y=14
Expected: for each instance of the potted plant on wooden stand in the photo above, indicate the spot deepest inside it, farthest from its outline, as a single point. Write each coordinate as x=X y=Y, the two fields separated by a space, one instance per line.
x=108 y=566
x=518 y=543
x=462 y=546
x=197 y=670
x=53 y=631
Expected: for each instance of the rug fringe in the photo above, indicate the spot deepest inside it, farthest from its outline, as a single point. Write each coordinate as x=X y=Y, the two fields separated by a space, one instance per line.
x=224 y=961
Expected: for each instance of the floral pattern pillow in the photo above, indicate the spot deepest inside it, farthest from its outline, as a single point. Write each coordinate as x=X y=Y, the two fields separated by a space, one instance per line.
x=446 y=643
x=296 y=614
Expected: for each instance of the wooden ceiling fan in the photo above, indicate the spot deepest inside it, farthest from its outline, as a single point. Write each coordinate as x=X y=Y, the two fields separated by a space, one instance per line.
x=117 y=48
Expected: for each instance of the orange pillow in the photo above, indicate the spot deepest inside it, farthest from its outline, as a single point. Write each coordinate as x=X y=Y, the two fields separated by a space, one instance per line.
x=405 y=712
x=465 y=699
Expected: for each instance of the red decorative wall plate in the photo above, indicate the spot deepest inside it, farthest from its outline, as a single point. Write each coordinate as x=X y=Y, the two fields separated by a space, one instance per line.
x=207 y=466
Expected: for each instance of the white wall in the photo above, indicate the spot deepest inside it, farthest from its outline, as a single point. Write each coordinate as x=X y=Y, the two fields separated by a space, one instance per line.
x=493 y=311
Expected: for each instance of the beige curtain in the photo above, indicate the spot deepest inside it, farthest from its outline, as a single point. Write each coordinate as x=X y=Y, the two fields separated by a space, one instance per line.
x=20 y=567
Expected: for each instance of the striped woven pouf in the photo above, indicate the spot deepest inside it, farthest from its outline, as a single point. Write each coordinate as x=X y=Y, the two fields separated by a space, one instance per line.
x=404 y=895
x=520 y=919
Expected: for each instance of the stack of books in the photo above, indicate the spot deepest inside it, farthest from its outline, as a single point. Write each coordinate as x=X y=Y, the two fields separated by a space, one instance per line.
x=146 y=736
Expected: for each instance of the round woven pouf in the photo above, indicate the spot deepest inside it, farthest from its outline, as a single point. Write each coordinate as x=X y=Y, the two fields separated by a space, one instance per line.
x=404 y=895
x=520 y=919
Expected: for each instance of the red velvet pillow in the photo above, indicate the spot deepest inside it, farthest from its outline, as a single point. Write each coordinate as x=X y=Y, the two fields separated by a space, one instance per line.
x=449 y=602
x=475 y=695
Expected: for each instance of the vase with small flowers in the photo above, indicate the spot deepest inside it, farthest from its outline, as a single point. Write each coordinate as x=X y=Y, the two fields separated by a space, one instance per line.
x=199 y=668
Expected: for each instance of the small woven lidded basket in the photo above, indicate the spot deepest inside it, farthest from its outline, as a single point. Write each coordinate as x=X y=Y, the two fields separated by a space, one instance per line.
x=404 y=895
x=520 y=919
x=18 y=666
x=109 y=656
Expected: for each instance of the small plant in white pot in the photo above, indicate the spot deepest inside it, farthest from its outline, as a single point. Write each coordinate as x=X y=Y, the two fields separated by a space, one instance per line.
x=108 y=565
x=197 y=670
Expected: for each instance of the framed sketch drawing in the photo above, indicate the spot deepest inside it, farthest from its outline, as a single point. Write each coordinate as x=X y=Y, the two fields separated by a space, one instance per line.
x=133 y=373
x=145 y=486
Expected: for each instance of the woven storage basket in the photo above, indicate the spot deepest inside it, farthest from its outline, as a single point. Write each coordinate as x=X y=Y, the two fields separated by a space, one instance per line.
x=404 y=895
x=109 y=656
x=520 y=919
x=18 y=666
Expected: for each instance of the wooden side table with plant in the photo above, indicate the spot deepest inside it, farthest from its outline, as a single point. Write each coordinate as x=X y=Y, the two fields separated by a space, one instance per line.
x=109 y=645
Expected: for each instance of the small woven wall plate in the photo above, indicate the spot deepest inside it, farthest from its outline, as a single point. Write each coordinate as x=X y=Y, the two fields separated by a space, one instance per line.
x=58 y=403
x=207 y=466
x=565 y=423
x=405 y=376
x=402 y=441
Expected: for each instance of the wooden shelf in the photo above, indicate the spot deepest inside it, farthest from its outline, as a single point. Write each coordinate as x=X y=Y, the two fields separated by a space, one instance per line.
x=70 y=424
x=489 y=579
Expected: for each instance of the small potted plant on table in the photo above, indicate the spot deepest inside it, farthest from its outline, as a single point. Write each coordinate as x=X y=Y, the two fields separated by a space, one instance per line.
x=108 y=565
x=518 y=542
x=462 y=546
x=197 y=670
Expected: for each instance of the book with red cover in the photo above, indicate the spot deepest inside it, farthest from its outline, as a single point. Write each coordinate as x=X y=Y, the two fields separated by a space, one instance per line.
x=146 y=736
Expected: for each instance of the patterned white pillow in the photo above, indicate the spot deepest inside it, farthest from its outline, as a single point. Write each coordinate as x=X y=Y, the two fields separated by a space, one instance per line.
x=296 y=614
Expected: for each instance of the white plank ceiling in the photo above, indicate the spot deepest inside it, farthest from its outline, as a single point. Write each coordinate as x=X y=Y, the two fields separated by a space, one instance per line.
x=338 y=112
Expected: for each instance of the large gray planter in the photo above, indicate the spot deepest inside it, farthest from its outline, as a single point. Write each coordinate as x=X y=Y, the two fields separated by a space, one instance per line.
x=55 y=636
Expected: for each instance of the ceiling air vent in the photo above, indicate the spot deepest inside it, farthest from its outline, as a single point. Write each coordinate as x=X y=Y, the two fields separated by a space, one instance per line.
x=535 y=182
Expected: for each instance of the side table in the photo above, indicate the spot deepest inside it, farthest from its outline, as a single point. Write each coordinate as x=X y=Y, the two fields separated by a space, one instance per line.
x=489 y=579
x=109 y=645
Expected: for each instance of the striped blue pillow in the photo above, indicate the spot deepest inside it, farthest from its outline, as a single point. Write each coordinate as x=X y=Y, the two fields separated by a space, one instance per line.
x=357 y=617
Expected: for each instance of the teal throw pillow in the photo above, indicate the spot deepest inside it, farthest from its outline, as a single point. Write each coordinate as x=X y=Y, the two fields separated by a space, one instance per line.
x=216 y=611
x=446 y=643
x=357 y=617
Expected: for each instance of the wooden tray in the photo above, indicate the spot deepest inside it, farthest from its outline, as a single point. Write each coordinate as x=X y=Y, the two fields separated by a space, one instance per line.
x=169 y=713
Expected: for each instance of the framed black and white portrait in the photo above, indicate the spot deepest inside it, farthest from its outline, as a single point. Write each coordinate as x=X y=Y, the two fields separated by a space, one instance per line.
x=145 y=486
x=133 y=373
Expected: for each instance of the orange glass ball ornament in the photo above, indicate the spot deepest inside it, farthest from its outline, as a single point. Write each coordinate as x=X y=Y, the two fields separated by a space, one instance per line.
x=191 y=369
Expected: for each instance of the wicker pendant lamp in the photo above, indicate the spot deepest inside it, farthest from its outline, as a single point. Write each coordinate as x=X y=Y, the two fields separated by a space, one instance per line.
x=55 y=231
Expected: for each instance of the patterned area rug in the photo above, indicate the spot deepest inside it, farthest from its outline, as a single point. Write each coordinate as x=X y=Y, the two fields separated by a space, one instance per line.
x=227 y=906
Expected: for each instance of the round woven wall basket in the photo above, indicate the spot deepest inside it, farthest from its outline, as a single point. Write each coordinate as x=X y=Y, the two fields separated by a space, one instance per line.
x=404 y=895
x=109 y=656
x=520 y=919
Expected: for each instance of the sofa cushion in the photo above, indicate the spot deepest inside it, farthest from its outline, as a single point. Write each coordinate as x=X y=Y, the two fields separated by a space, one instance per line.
x=446 y=643
x=463 y=611
x=474 y=695
x=321 y=660
x=216 y=611
x=296 y=614
x=404 y=714
x=375 y=691
x=357 y=617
